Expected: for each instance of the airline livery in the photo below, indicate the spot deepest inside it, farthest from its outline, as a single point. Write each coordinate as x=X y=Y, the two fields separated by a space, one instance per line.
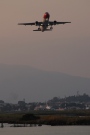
x=43 y=26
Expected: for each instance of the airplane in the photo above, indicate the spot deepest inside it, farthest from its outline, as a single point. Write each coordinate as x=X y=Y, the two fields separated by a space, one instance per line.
x=43 y=26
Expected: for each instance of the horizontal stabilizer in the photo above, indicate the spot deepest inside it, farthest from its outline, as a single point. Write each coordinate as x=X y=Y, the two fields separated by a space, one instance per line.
x=44 y=30
x=36 y=30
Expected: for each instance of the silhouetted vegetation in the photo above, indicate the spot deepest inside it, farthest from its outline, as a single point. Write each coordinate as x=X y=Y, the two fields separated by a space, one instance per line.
x=28 y=117
x=75 y=98
x=50 y=118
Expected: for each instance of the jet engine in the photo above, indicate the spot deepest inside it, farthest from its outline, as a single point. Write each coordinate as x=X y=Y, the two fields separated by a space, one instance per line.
x=36 y=23
x=55 y=22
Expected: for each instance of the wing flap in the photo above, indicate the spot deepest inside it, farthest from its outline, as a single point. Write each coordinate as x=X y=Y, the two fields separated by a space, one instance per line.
x=26 y=23
x=62 y=22
x=34 y=23
x=56 y=23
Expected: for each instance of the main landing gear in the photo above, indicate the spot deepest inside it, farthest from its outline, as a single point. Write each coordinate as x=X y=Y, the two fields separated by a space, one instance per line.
x=38 y=28
x=51 y=28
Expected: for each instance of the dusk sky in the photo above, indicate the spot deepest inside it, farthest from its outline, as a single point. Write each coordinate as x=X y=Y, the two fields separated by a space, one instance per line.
x=66 y=49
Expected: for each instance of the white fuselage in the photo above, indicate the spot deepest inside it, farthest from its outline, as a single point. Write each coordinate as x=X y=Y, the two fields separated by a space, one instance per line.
x=45 y=25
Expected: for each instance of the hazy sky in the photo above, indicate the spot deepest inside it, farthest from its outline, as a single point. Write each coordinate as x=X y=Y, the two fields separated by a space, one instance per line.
x=66 y=49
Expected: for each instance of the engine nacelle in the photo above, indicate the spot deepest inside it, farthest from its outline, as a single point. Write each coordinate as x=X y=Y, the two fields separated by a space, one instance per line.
x=55 y=22
x=36 y=23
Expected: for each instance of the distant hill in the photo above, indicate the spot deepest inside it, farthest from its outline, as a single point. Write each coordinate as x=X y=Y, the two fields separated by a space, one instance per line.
x=19 y=82
x=76 y=98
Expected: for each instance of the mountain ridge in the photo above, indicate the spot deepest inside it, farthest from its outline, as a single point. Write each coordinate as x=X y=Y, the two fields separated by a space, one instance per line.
x=18 y=82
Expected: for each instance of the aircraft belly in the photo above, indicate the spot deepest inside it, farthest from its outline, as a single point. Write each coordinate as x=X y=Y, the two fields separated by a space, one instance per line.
x=43 y=28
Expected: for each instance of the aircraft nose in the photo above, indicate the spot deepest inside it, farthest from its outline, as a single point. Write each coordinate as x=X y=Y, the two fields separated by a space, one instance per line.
x=46 y=15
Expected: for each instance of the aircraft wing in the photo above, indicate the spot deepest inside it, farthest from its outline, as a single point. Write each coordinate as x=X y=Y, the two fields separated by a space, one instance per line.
x=34 y=23
x=26 y=23
x=55 y=22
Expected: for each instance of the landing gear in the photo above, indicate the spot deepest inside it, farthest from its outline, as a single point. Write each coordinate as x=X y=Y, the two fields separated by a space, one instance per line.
x=51 y=28
x=39 y=28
